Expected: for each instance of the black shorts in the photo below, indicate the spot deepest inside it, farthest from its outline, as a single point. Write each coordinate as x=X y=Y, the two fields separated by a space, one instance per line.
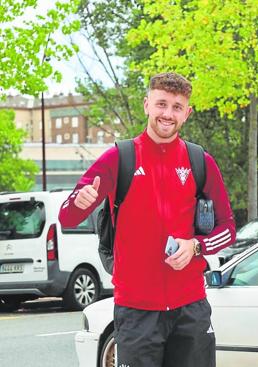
x=183 y=337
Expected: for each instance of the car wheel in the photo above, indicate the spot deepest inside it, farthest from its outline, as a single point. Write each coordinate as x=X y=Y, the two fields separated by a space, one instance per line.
x=83 y=288
x=107 y=356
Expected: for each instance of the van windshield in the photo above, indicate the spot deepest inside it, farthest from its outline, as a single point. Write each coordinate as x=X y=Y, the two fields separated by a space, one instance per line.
x=20 y=220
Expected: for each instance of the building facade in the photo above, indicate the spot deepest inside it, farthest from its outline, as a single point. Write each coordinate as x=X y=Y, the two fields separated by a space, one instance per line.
x=70 y=144
x=65 y=163
x=64 y=119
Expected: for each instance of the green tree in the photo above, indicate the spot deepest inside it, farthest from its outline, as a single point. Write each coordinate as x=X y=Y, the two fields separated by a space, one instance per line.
x=226 y=140
x=16 y=174
x=27 y=43
x=214 y=43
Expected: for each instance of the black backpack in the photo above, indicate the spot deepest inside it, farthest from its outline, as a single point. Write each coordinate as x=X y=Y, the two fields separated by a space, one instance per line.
x=204 y=217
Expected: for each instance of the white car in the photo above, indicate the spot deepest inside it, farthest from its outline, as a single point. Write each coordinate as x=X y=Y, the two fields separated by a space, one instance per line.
x=39 y=258
x=233 y=293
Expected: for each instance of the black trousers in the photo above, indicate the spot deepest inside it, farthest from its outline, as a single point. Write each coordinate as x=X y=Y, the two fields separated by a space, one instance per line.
x=182 y=337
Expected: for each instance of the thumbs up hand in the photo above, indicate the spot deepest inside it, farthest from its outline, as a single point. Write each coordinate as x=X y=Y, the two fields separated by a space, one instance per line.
x=96 y=183
x=88 y=194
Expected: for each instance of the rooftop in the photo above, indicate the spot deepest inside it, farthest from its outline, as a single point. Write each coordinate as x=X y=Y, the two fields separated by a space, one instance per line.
x=21 y=102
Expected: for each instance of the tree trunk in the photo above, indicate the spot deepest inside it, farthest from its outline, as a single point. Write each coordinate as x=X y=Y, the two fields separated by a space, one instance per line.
x=252 y=160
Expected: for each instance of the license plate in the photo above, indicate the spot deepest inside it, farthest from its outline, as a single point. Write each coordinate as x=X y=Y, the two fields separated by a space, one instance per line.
x=12 y=268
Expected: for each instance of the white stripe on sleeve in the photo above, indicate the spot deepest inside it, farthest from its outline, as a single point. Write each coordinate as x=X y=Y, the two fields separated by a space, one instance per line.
x=218 y=240
x=217 y=236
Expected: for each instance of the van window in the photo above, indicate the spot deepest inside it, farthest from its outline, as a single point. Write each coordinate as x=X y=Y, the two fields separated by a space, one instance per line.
x=87 y=226
x=18 y=220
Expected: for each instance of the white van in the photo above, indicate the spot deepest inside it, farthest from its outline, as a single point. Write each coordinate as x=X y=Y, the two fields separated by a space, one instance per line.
x=39 y=258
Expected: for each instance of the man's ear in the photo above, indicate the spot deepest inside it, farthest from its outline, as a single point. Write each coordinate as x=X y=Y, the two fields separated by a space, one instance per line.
x=145 y=106
x=190 y=110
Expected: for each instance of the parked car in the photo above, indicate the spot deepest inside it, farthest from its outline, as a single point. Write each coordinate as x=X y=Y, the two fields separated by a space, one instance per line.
x=39 y=258
x=232 y=292
x=245 y=237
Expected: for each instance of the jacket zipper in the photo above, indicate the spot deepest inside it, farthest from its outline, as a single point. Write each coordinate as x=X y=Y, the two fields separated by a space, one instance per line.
x=163 y=206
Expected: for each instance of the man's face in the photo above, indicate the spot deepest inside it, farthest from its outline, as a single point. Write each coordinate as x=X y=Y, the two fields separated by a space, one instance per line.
x=166 y=114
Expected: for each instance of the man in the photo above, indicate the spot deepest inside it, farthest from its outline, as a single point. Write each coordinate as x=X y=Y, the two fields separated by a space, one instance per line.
x=161 y=315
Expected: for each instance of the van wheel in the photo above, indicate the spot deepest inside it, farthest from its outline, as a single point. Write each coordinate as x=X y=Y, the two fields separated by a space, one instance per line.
x=83 y=289
x=107 y=357
x=9 y=304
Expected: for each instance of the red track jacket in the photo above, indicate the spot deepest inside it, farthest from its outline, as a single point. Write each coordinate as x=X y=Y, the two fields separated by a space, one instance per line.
x=160 y=202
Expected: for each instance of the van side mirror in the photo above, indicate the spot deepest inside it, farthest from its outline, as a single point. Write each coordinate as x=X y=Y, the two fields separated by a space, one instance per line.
x=214 y=278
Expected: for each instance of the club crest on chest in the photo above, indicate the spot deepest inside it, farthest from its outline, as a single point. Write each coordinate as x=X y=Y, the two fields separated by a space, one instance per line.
x=183 y=174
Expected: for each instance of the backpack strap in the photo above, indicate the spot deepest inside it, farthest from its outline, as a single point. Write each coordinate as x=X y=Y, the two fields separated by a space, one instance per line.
x=198 y=164
x=126 y=168
x=106 y=227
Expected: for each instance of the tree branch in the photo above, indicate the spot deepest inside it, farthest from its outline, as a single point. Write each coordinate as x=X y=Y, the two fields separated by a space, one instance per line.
x=101 y=92
x=114 y=77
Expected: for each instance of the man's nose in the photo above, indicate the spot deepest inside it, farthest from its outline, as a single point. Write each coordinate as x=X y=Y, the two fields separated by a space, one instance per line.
x=168 y=113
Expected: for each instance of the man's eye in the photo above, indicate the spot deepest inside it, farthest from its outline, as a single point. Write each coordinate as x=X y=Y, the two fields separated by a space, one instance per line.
x=178 y=108
x=162 y=104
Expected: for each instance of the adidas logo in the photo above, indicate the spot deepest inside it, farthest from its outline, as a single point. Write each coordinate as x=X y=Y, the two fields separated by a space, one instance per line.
x=139 y=172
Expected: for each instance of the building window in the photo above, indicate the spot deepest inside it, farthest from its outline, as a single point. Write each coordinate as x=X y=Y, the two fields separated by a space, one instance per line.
x=59 y=139
x=75 y=122
x=27 y=127
x=66 y=120
x=100 y=137
x=66 y=136
x=75 y=138
x=58 y=123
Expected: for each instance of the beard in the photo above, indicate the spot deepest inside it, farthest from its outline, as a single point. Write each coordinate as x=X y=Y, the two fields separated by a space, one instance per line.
x=164 y=129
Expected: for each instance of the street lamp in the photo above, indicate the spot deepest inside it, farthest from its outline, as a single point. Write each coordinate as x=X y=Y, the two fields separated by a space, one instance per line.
x=44 y=181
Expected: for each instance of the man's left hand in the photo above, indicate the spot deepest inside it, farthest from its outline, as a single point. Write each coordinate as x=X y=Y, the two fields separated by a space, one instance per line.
x=181 y=258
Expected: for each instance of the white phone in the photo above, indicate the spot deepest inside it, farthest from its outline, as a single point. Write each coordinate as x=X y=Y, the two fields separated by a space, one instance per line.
x=171 y=246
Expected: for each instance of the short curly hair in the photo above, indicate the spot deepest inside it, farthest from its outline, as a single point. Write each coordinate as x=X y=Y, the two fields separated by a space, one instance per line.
x=172 y=83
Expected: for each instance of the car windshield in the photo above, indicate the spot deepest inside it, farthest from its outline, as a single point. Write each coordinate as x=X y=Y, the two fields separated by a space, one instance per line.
x=249 y=231
x=20 y=220
x=246 y=272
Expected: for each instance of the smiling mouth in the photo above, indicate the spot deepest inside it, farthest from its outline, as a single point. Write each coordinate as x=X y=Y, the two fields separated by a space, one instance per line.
x=166 y=123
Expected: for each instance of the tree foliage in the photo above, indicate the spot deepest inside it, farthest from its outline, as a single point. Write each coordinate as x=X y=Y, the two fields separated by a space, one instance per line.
x=225 y=139
x=16 y=174
x=214 y=43
x=27 y=43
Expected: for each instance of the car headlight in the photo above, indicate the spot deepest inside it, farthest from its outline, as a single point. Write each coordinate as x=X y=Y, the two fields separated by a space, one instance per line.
x=85 y=322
